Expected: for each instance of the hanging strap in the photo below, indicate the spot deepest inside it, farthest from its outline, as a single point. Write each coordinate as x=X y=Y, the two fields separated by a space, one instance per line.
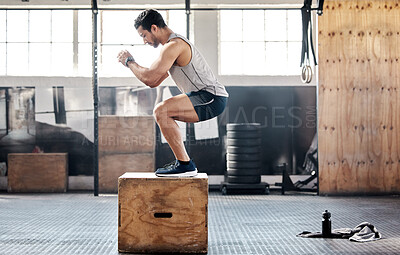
x=307 y=28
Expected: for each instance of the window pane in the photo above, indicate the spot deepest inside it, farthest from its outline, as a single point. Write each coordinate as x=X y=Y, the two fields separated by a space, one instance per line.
x=253 y=29
x=275 y=25
x=85 y=59
x=231 y=25
x=84 y=26
x=231 y=58
x=46 y=118
x=109 y=64
x=17 y=26
x=145 y=55
x=40 y=59
x=118 y=27
x=3 y=59
x=177 y=22
x=271 y=42
x=276 y=58
x=62 y=59
x=62 y=26
x=17 y=63
x=3 y=26
x=40 y=26
x=43 y=100
x=294 y=53
x=78 y=99
x=295 y=26
x=254 y=58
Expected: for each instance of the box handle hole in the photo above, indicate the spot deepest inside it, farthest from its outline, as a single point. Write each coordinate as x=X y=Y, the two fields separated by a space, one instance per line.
x=162 y=215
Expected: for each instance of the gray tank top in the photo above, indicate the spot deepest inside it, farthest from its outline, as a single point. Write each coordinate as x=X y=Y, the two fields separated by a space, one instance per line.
x=196 y=75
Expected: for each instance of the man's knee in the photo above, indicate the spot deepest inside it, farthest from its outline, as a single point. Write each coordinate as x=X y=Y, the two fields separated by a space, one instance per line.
x=159 y=111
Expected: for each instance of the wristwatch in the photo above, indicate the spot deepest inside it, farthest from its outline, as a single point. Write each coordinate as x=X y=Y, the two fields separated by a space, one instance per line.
x=129 y=59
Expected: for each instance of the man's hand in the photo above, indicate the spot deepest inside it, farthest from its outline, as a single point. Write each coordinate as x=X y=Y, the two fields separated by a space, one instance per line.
x=158 y=71
x=123 y=57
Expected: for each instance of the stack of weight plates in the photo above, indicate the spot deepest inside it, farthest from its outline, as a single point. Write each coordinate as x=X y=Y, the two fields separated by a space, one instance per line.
x=244 y=153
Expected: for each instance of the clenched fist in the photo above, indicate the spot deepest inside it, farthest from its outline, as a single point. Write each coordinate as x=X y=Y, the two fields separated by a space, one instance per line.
x=124 y=57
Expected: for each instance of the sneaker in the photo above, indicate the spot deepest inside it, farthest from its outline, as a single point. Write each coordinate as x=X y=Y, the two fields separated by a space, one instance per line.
x=169 y=165
x=178 y=170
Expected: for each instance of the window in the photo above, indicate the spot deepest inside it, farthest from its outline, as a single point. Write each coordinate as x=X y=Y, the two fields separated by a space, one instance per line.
x=118 y=33
x=84 y=67
x=260 y=42
x=59 y=105
x=36 y=42
x=3 y=112
x=44 y=43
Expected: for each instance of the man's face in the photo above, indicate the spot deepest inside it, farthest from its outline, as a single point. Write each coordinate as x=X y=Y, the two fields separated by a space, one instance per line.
x=148 y=37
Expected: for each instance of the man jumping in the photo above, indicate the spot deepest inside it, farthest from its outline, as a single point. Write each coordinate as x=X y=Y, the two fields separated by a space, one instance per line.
x=202 y=98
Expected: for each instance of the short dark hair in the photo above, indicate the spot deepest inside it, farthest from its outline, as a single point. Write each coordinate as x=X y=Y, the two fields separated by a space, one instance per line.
x=148 y=18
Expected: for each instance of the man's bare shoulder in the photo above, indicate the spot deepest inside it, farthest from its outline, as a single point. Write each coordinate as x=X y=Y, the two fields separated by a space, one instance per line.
x=177 y=49
x=171 y=50
x=175 y=42
x=170 y=46
x=176 y=45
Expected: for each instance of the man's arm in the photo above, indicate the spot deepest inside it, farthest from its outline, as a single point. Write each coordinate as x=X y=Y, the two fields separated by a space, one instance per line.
x=158 y=71
x=148 y=76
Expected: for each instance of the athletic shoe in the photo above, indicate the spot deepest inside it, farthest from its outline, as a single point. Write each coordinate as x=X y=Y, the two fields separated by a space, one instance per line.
x=178 y=170
x=169 y=165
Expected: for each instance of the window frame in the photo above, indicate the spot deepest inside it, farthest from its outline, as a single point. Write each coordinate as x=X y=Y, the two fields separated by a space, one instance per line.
x=288 y=41
x=77 y=44
x=206 y=37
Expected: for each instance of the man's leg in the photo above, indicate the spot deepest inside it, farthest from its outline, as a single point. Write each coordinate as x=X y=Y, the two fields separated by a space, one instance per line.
x=176 y=108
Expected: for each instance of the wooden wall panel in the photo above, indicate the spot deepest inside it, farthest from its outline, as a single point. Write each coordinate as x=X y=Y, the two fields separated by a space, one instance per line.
x=127 y=134
x=113 y=165
x=359 y=101
x=126 y=144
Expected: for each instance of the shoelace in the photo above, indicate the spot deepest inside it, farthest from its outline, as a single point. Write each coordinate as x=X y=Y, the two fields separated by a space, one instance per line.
x=170 y=164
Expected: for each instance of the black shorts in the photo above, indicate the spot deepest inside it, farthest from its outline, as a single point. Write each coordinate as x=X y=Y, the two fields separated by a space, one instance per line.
x=206 y=104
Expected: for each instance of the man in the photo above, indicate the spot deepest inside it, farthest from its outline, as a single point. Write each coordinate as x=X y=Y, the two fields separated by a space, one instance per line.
x=202 y=98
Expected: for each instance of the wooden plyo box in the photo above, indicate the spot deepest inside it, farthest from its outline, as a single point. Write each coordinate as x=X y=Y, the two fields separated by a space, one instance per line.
x=162 y=214
x=37 y=172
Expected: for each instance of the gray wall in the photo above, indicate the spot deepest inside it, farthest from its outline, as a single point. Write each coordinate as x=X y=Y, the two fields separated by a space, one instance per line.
x=288 y=118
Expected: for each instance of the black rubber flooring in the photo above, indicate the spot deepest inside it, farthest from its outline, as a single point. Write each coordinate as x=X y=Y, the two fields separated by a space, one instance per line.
x=76 y=223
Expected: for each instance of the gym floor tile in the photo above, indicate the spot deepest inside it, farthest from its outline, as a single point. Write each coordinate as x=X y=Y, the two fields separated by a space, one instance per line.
x=80 y=223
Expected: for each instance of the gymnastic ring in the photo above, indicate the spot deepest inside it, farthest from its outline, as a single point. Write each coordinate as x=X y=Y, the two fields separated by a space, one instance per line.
x=310 y=74
x=304 y=75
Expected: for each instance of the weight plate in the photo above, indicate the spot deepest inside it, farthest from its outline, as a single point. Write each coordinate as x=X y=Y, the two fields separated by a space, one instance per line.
x=244 y=171
x=243 y=157
x=243 y=134
x=245 y=150
x=244 y=142
x=243 y=179
x=243 y=126
x=243 y=164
